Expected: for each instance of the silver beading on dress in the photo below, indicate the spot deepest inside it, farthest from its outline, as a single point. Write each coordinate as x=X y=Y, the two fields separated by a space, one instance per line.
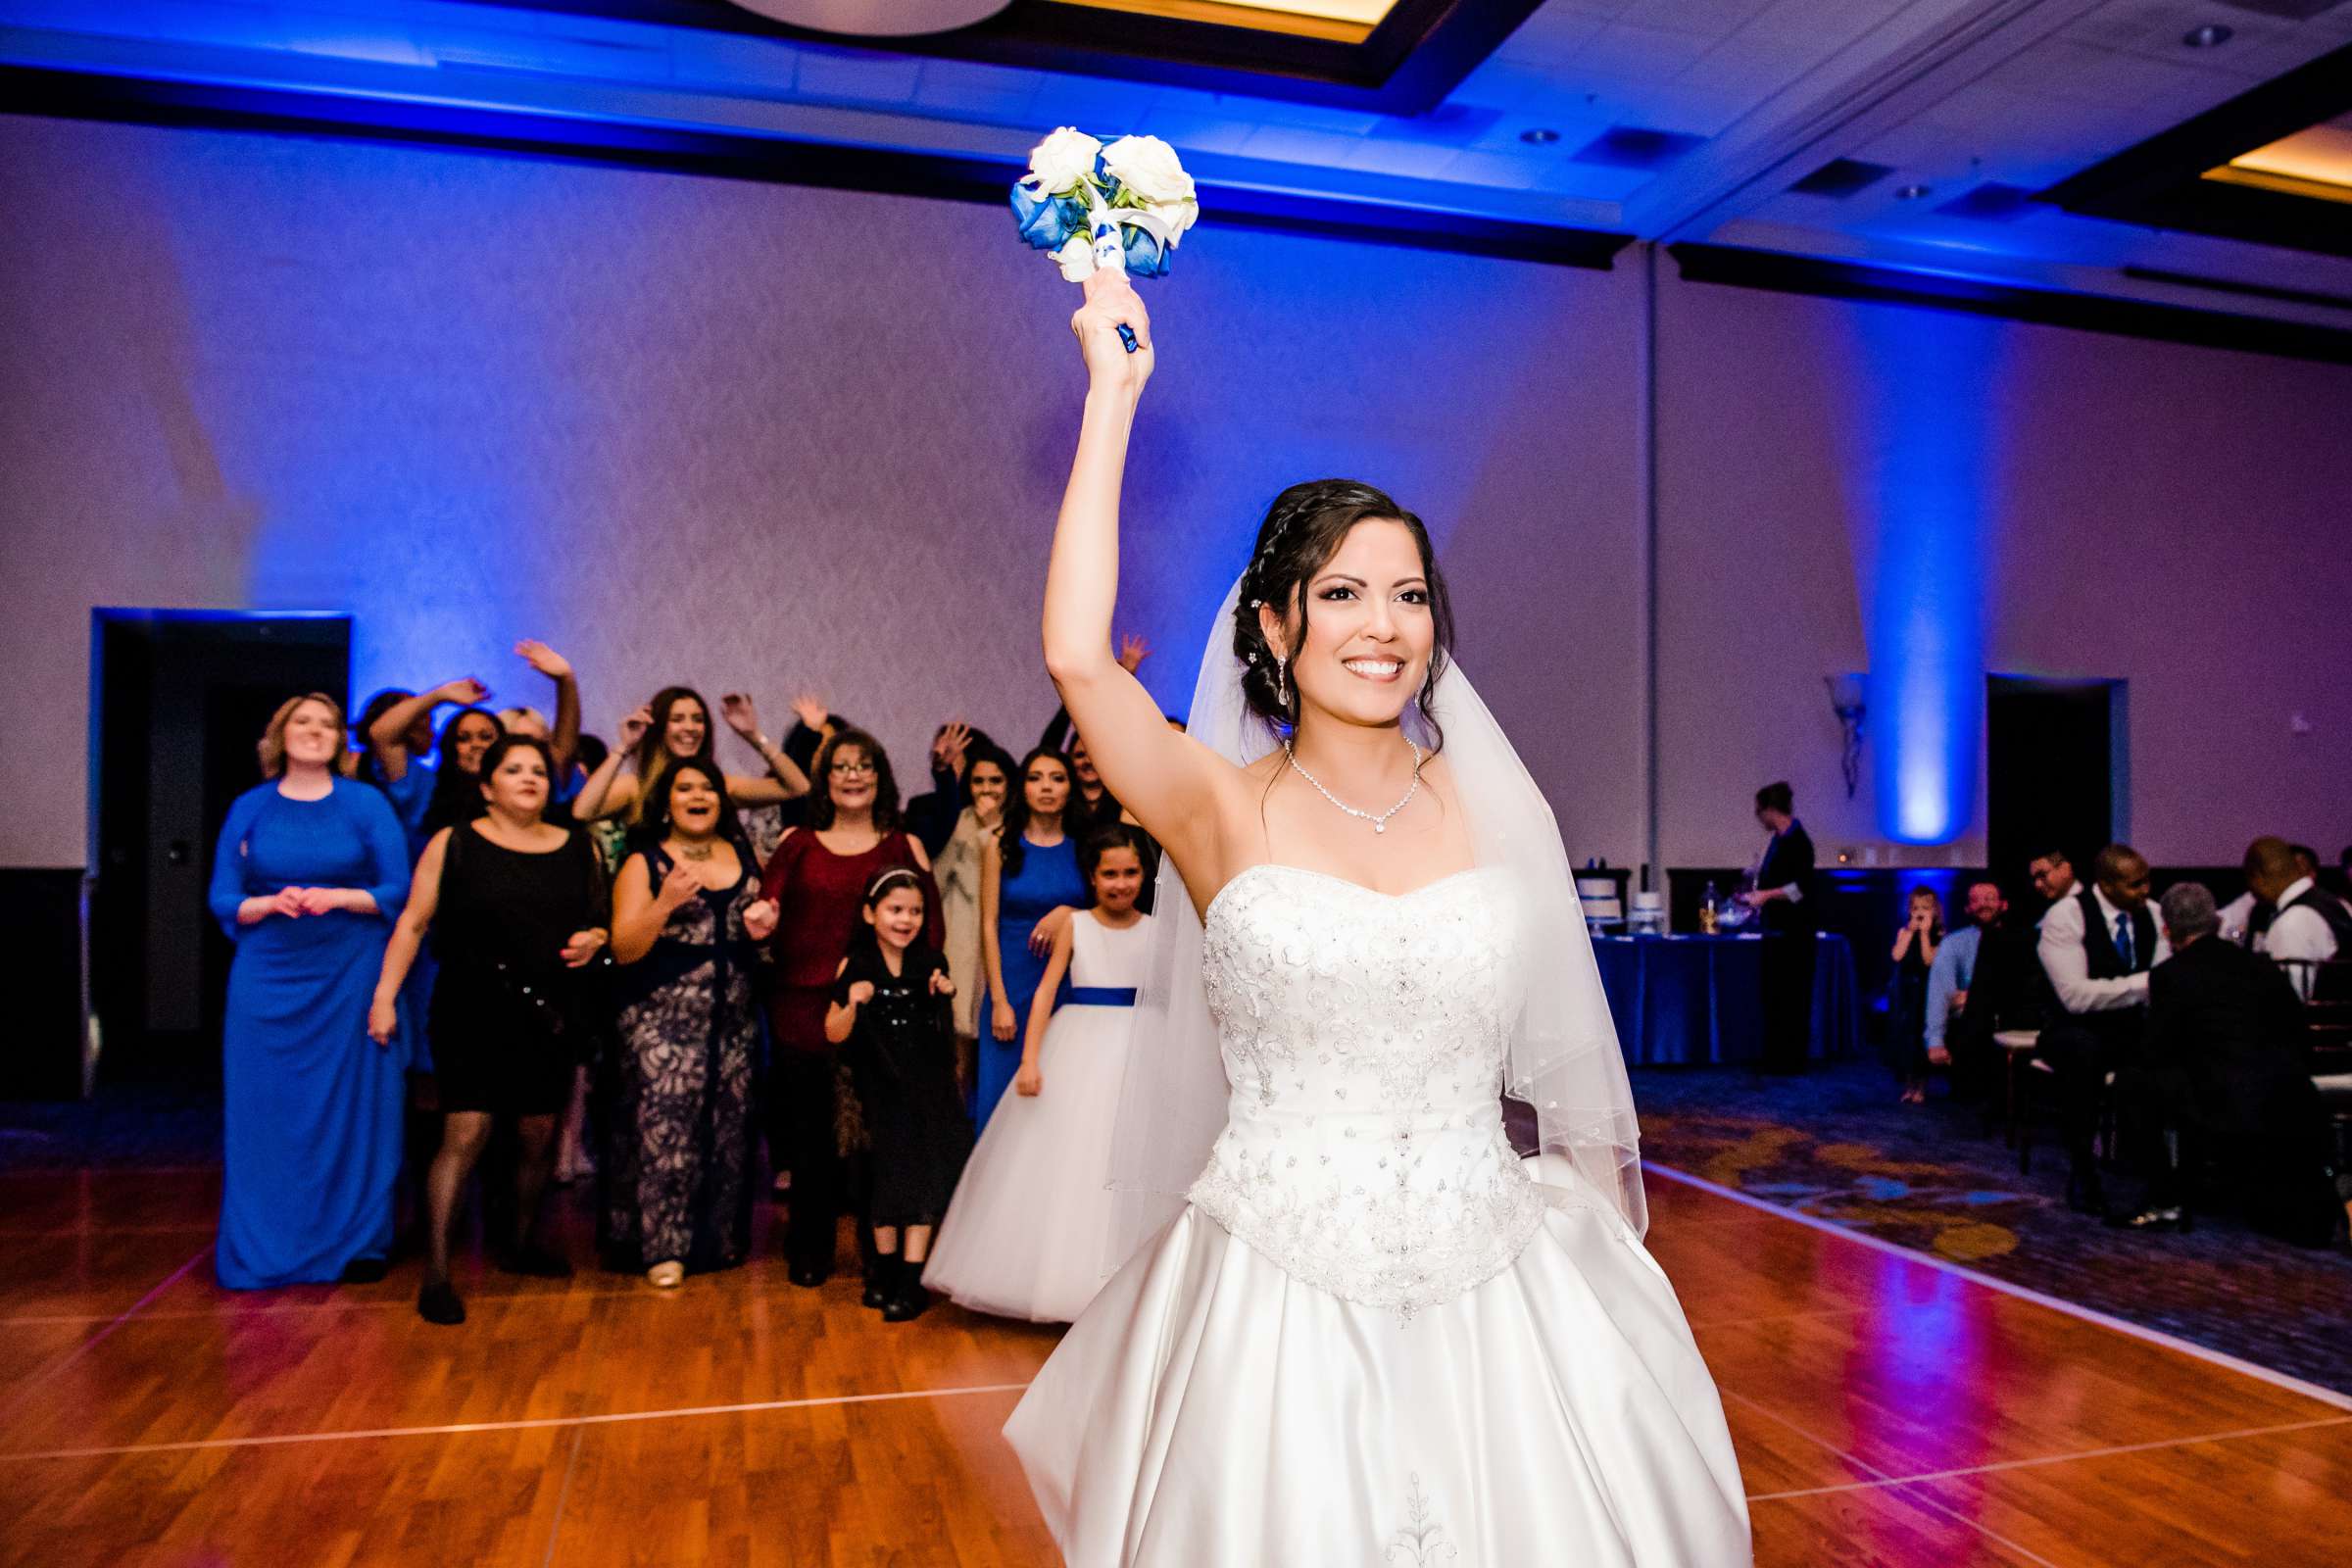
x=1363 y=1036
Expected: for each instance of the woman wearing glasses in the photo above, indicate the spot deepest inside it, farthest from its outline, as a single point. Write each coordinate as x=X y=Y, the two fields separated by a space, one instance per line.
x=817 y=878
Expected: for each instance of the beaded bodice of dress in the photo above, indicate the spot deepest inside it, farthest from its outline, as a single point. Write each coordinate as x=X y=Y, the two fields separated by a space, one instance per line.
x=1364 y=1037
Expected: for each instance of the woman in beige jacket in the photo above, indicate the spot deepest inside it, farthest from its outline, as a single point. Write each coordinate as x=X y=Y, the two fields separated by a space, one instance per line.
x=957 y=868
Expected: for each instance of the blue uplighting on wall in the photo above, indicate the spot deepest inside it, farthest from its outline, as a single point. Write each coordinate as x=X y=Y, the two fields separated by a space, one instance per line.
x=1926 y=397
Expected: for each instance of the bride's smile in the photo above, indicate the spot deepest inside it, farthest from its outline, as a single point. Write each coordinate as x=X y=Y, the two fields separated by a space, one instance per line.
x=1363 y=631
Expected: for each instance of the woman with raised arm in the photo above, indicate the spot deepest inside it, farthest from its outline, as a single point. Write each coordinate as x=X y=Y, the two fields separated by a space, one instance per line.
x=988 y=779
x=671 y=728
x=1363 y=1330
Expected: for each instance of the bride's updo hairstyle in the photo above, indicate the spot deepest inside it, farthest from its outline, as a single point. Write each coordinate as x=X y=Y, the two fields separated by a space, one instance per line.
x=1303 y=530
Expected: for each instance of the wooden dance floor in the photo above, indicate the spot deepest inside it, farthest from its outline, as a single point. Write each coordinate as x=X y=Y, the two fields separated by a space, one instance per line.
x=1886 y=1413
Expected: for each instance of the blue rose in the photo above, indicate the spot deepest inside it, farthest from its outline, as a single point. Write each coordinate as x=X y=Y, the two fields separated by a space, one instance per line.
x=1045 y=222
x=1146 y=255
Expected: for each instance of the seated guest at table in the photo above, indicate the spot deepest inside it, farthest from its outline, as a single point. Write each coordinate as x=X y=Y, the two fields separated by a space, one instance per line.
x=2008 y=991
x=1914 y=950
x=2052 y=874
x=1948 y=988
x=2246 y=919
x=1784 y=885
x=2309 y=926
x=2097 y=949
x=2228 y=1062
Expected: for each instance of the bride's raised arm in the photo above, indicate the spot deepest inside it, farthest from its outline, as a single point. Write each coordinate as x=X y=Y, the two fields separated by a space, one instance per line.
x=1170 y=783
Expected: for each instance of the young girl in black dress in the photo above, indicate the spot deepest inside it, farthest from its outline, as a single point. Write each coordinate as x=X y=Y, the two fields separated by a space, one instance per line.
x=891 y=1011
x=1915 y=948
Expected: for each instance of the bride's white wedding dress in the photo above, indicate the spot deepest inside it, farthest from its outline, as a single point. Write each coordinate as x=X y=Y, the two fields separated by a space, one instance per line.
x=1370 y=1338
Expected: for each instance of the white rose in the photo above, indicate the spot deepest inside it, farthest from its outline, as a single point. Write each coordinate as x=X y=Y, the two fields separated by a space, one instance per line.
x=1177 y=216
x=1149 y=167
x=1063 y=160
x=1076 y=258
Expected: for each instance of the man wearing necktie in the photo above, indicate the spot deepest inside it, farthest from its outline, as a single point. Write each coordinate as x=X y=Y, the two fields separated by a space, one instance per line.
x=2096 y=949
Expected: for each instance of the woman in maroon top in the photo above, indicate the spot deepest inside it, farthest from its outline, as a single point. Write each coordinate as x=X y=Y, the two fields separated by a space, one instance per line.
x=818 y=877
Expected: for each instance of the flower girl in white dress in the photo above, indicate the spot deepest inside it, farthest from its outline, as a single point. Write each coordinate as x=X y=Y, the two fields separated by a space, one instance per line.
x=1029 y=1234
x=1359 y=1329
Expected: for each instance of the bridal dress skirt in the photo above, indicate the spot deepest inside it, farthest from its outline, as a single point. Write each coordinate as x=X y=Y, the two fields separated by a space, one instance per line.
x=1209 y=1411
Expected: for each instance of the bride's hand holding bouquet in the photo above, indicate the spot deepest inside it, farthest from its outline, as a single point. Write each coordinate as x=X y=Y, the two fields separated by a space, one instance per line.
x=1112 y=308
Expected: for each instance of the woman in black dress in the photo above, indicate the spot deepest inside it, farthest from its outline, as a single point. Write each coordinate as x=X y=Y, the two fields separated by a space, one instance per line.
x=688 y=924
x=891 y=1011
x=519 y=908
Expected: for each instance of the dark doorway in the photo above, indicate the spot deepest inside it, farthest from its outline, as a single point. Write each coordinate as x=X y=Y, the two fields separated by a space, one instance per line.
x=2054 y=770
x=182 y=697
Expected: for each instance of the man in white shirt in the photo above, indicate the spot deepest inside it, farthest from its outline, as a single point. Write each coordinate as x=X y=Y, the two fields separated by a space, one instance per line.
x=2246 y=918
x=2312 y=925
x=2097 y=948
x=2052 y=874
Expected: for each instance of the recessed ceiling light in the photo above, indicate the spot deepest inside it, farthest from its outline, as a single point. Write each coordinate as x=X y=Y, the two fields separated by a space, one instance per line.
x=1911 y=193
x=2212 y=35
x=1538 y=137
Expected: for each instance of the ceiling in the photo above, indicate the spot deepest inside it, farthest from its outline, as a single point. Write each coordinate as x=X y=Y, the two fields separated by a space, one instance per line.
x=2317 y=156
x=1929 y=125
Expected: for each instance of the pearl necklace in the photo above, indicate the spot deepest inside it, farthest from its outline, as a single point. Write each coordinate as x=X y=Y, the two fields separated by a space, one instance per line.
x=1379 y=823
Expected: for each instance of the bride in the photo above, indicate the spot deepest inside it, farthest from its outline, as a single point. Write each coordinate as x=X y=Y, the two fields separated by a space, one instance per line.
x=1360 y=1330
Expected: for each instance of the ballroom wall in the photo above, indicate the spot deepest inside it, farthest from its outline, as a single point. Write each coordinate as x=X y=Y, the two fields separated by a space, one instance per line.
x=2117 y=509
x=772 y=437
x=743 y=435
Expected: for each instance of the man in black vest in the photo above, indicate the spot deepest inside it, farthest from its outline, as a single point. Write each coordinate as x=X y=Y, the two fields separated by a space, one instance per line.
x=1784 y=898
x=2309 y=926
x=2096 y=949
x=2228 y=1065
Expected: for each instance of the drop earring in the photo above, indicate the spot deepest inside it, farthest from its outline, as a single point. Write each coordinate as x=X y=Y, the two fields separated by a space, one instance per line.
x=1282 y=681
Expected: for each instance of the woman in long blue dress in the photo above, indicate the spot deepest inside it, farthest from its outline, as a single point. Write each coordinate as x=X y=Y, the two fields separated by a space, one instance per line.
x=1029 y=883
x=311 y=872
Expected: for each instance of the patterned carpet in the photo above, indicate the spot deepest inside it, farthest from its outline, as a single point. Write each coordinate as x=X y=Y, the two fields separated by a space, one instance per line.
x=1835 y=1145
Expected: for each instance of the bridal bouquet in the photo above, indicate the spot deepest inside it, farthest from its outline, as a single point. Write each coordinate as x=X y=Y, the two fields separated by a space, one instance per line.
x=1124 y=205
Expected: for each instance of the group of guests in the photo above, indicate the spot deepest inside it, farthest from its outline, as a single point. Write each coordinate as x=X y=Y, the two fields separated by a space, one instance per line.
x=2185 y=1021
x=470 y=937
